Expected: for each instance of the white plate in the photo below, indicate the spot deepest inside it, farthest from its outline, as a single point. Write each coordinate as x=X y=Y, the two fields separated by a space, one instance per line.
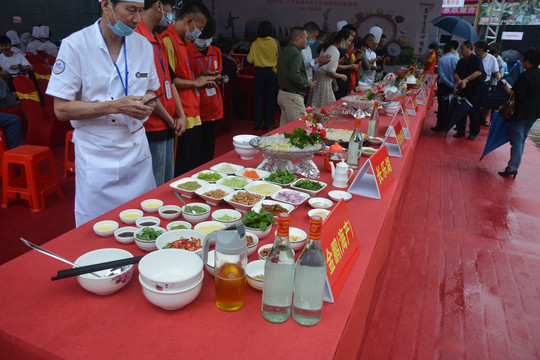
x=252 y=187
x=366 y=153
x=261 y=173
x=311 y=192
x=303 y=195
x=219 y=168
x=238 y=206
x=337 y=195
x=222 y=174
x=210 y=200
x=220 y=182
x=187 y=193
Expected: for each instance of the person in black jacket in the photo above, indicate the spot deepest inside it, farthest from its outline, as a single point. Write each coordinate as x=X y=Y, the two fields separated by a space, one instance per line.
x=526 y=92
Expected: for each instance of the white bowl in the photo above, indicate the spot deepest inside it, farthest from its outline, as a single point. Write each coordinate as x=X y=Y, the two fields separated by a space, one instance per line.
x=196 y=218
x=212 y=187
x=267 y=246
x=206 y=227
x=241 y=207
x=173 y=209
x=104 y=285
x=310 y=192
x=252 y=248
x=240 y=179
x=170 y=270
x=243 y=139
x=177 y=223
x=187 y=193
x=147 y=245
x=260 y=173
x=246 y=153
x=362 y=86
x=210 y=262
x=368 y=151
x=208 y=172
x=299 y=236
x=257 y=208
x=262 y=188
x=146 y=220
x=337 y=195
x=260 y=234
x=125 y=230
x=323 y=213
x=105 y=228
x=301 y=196
x=151 y=205
x=129 y=216
x=320 y=203
x=174 y=300
x=174 y=235
x=227 y=168
x=236 y=215
x=254 y=268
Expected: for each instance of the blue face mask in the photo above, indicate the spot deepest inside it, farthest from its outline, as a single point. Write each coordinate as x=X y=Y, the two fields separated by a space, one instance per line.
x=193 y=35
x=310 y=42
x=203 y=43
x=119 y=28
x=166 y=19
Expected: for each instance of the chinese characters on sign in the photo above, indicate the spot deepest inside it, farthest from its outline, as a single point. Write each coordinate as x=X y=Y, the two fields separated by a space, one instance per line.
x=422 y=38
x=384 y=169
x=453 y=3
x=339 y=245
x=465 y=10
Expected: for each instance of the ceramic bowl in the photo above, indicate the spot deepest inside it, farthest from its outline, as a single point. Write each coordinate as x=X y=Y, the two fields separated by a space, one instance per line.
x=147 y=245
x=170 y=270
x=227 y=168
x=125 y=235
x=288 y=207
x=240 y=182
x=196 y=218
x=260 y=234
x=187 y=193
x=172 y=224
x=243 y=139
x=262 y=188
x=209 y=175
x=263 y=249
x=206 y=227
x=212 y=187
x=253 y=269
x=151 y=205
x=368 y=151
x=129 y=216
x=173 y=300
x=246 y=152
x=310 y=192
x=337 y=195
x=323 y=213
x=238 y=206
x=210 y=262
x=320 y=203
x=170 y=212
x=174 y=235
x=297 y=238
x=233 y=216
x=251 y=171
x=105 y=228
x=105 y=285
x=147 y=221
x=292 y=197
x=252 y=247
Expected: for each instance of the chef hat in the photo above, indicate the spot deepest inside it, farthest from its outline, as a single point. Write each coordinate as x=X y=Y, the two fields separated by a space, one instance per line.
x=341 y=24
x=44 y=31
x=35 y=31
x=377 y=32
x=25 y=37
x=12 y=35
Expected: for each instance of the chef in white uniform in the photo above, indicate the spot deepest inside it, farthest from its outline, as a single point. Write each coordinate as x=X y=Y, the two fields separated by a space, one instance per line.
x=34 y=45
x=46 y=44
x=15 y=42
x=102 y=78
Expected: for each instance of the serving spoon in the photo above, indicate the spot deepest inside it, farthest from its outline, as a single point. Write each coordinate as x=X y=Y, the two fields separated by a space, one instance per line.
x=113 y=271
x=183 y=202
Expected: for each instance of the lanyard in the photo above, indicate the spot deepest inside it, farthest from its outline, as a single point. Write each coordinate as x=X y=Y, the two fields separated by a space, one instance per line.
x=209 y=62
x=116 y=66
x=160 y=60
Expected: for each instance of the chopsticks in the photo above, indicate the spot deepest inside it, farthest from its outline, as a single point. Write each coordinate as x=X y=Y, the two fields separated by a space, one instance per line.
x=62 y=274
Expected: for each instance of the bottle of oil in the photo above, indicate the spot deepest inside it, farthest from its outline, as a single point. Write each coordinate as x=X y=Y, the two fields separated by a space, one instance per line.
x=279 y=275
x=373 y=129
x=355 y=146
x=310 y=278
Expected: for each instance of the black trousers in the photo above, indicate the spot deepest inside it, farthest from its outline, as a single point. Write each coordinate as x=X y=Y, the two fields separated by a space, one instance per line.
x=471 y=93
x=442 y=90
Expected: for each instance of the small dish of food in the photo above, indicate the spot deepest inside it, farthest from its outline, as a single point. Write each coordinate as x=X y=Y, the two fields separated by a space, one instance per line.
x=262 y=188
x=190 y=240
x=227 y=168
x=145 y=237
x=273 y=207
x=206 y=227
x=147 y=221
x=105 y=228
x=280 y=177
x=323 y=213
x=251 y=173
x=170 y=212
x=213 y=194
x=227 y=216
x=187 y=186
x=252 y=241
x=243 y=200
x=235 y=182
x=125 y=235
x=178 y=225
x=129 y=216
x=255 y=274
x=151 y=205
x=312 y=187
x=292 y=197
x=368 y=151
x=199 y=212
x=209 y=175
x=337 y=195
x=320 y=203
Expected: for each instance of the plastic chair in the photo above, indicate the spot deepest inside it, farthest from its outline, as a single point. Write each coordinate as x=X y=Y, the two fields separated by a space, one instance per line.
x=31 y=184
x=50 y=60
x=35 y=59
x=42 y=74
x=69 y=161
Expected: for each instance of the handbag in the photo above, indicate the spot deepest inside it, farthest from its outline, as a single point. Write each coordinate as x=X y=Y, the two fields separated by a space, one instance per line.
x=507 y=109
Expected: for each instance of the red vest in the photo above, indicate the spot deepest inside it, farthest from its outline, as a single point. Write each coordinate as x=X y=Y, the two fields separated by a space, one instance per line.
x=155 y=123
x=188 y=96
x=211 y=107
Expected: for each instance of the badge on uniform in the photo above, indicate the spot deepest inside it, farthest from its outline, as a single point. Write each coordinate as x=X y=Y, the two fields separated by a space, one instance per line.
x=58 y=67
x=215 y=64
x=211 y=91
x=168 y=91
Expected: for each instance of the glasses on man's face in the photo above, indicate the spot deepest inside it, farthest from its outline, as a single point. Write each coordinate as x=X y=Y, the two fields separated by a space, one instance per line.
x=196 y=27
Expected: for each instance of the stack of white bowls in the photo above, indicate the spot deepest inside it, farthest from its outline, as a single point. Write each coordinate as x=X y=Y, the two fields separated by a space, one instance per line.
x=391 y=109
x=242 y=147
x=171 y=278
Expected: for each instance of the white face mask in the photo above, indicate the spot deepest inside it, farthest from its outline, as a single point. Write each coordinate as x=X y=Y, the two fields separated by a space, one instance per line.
x=203 y=43
x=166 y=19
x=195 y=34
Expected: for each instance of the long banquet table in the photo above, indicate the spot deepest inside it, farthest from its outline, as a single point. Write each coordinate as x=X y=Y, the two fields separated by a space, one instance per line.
x=41 y=319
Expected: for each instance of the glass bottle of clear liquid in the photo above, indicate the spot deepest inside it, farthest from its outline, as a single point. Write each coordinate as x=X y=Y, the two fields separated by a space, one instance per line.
x=355 y=146
x=279 y=275
x=310 y=278
x=373 y=129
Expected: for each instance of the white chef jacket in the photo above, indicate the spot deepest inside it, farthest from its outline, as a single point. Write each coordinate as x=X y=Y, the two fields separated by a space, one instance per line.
x=490 y=66
x=33 y=46
x=15 y=59
x=112 y=164
x=309 y=63
x=369 y=75
x=49 y=48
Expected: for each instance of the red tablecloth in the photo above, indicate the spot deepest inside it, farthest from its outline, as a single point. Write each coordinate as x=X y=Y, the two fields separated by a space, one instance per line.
x=44 y=319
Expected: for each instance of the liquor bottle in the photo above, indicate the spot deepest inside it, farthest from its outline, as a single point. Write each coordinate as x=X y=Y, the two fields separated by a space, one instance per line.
x=373 y=129
x=310 y=278
x=279 y=275
x=355 y=146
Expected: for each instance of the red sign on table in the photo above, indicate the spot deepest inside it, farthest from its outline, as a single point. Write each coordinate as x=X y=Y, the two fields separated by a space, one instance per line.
x=375 y=182
x=340 y=249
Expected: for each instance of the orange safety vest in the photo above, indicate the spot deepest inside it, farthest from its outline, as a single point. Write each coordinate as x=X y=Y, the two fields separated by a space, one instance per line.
x=210 y=107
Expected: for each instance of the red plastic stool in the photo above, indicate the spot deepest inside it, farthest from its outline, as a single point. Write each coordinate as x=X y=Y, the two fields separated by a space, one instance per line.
x=69 y=165
x=31 y=185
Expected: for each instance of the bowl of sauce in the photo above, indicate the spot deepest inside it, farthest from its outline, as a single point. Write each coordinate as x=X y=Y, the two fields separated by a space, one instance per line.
x=105 y=228
x=129 y=216
x=147 y=221
x=170 y=212
x=125 y=235
x=151 y=205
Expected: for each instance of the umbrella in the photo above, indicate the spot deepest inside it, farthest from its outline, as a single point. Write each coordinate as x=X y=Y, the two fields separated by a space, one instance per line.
x=511 y=55
x=456 y=26
x=458 y=108
x=499 y=96
x=498 y=133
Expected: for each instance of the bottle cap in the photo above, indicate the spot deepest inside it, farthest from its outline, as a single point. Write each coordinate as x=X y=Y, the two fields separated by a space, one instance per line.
x=336 y=148
x=229 y=242
x=284 y=219
x=376 y=105
x=315 y=224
